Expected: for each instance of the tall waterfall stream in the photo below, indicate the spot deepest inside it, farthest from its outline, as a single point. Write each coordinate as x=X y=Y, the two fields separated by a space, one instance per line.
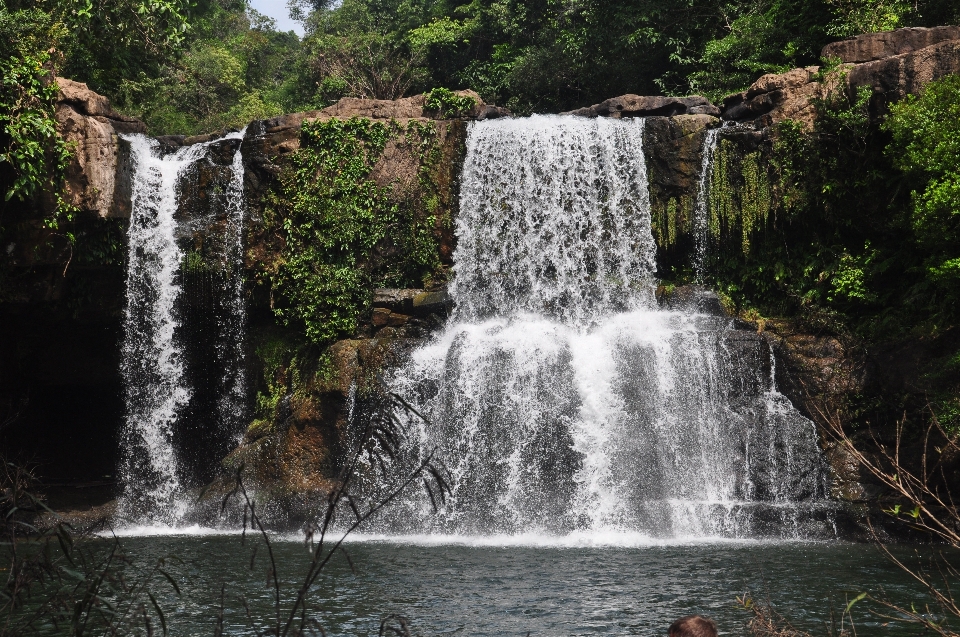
x=561 y=397
x=159 y=391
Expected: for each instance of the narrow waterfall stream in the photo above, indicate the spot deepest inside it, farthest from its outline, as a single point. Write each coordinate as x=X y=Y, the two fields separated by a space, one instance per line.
x=159 y=387
x=562 y=399
x=701 y=212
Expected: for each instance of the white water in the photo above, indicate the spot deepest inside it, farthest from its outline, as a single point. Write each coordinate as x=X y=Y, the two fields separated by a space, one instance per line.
x=231 y=407
x=561 y=399
x=554 y=220
x=701 y=213
x=153 y=364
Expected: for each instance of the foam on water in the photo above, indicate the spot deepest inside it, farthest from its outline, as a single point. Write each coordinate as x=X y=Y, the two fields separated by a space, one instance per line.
x=597 y=539
x=531 y=539
x=164 y=530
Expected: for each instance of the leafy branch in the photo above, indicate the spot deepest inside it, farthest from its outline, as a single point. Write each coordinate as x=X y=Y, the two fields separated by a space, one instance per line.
x=378 y=444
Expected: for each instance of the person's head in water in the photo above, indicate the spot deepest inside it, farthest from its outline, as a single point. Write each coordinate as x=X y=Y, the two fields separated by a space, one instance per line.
x=693 y=626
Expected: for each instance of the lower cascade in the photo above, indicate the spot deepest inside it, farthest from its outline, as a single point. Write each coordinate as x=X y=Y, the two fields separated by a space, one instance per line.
x=561 y=397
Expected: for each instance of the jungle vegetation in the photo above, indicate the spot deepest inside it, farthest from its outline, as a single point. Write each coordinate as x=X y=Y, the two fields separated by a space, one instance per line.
x=187 y=66
x=194 y=66
x=861 y=231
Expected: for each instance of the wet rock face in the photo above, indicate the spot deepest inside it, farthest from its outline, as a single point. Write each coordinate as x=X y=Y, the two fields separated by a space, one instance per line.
x=695 y=299
x=892 y=64
x=817 y=367
x=296 y=450
x=672 y=147
x=408 y=313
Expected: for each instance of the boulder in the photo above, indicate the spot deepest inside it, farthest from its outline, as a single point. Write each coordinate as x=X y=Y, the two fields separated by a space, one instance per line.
x=489 y=111
x=97 y=178
x=86 y=102
x=877 y=46
x=646 y=106
x=81 y=98
x=437 y=302
x=405 y=108
x=776 y=97
x=169 y=143
x=893 y=78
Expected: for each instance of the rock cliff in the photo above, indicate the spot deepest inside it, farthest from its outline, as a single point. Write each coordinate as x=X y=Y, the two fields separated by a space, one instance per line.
x=97 y=180
x=890 y=64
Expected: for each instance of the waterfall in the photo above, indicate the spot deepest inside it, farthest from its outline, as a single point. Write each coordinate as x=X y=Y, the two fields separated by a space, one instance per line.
x=701 y=213
x=154 y=363
x=560 y=396
x=231 y=407
x=554 y=220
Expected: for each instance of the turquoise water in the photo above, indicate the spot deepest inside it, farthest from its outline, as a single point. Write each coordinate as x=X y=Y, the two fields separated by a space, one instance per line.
x=503 y=586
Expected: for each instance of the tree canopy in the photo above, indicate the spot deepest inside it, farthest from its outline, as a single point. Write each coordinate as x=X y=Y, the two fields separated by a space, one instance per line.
x=189 y=66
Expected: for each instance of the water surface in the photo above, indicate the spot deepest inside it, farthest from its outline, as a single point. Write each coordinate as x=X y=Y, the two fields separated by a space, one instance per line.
x=504 y=586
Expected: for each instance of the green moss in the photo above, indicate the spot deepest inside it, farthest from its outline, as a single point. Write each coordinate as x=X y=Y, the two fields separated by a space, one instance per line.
x=672 y=219
x=193 y=262
x=345 y=230
x=741 y=198
x=260 y=428
x=276 y=354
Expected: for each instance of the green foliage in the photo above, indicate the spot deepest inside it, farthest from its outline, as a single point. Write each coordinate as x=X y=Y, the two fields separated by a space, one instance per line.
x=365 y=65
x=104 y=41
x=853 y=17
x=101 y=242
x=237 y=68
x=192 y=67
x=856 y=233
x=30 y=145
x=553 y=55
x=926 y=147
x=449 y=104
x=279 y=359
x=802 y=225
x=43 y=37
x=762 y=37
x=342 y=232
x=741 y=196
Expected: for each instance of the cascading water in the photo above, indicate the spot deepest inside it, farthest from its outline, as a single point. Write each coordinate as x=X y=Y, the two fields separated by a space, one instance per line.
x=154 y=366
x=561 y=398
x=701 y=213
x=231 y=407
